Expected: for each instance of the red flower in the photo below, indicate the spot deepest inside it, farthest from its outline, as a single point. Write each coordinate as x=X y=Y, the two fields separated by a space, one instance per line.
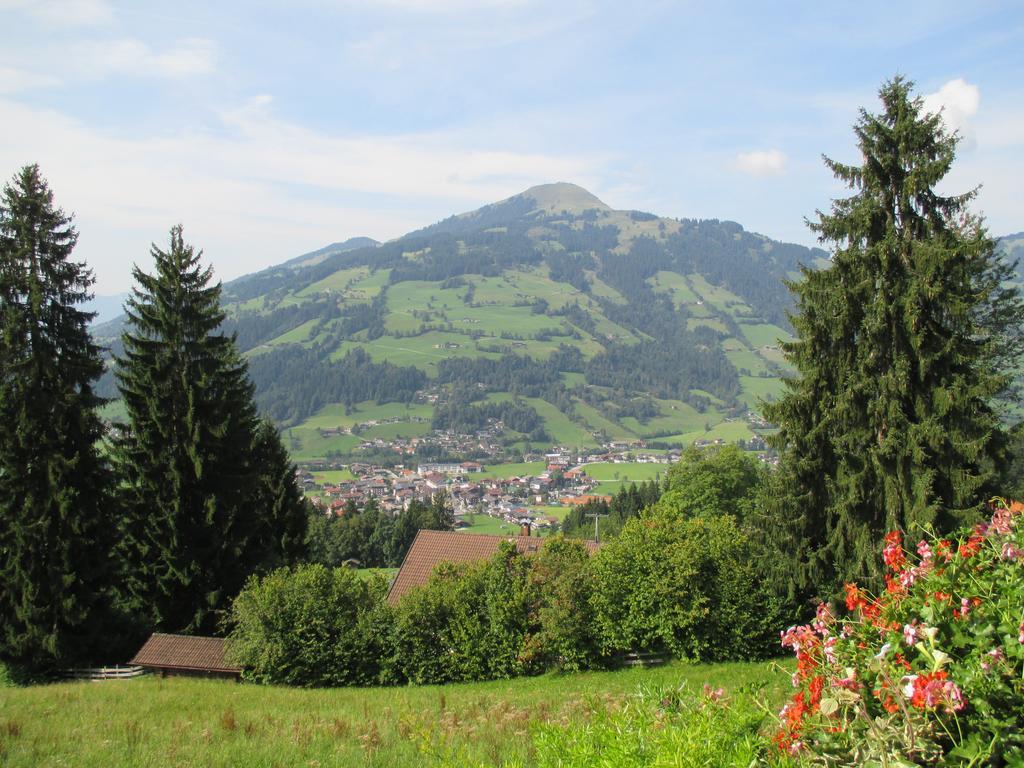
x=854 y=597
x=893 y=554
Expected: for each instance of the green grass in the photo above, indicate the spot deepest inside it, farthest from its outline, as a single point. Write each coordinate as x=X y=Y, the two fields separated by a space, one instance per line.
x=562 y=430
x=729 y=431
x=113 y=411
x=336 y=282
x=764 y=334
x=752 y=361
x=512 y=470
x=675 y=284
x=308 y=444
x=297 y=335
x=403 y=429
x=677 y=416
x=551 y=511
x=491 y=526
x=638 y=473
x=595 y=420
x=334 y=415
x=755 y=388
x=186 y=722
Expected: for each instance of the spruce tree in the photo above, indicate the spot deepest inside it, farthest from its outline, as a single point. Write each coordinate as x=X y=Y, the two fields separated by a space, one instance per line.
x=191 y=534
x=903 y=345
x=282 y=509
x=54 y=521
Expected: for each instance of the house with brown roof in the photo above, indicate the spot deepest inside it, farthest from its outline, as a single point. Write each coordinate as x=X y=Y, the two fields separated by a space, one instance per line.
x=185 y=655
x=431 y=548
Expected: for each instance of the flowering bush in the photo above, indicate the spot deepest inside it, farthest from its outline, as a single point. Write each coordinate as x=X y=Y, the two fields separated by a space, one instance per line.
x=931 y=671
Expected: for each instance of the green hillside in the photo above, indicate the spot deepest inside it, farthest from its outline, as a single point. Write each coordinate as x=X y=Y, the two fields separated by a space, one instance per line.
x=592 y=324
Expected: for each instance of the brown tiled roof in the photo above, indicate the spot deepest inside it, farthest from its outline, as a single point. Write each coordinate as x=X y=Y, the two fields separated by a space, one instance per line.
x=431 y=548
x=203 y=654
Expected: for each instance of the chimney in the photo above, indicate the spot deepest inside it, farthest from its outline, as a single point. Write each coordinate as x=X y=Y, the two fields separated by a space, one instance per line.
x=524 y=529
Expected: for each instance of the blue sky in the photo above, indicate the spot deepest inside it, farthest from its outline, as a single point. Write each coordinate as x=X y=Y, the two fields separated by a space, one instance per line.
x=270 y=129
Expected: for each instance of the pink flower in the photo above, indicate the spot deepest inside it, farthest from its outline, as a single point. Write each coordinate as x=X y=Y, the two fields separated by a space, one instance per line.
x=954 y=697
x=1002 y=522
x=1010 y=551
x=925 y=551
x=965 y=608
x=713 y=694
x=798 y=637
x=995 y=656
x=910 y=632
x=849 y=682
x=829 y=649
x=1020 y=637
x=823 y=620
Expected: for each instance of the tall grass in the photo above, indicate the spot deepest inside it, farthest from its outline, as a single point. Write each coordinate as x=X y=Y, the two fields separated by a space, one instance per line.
x=189 y=722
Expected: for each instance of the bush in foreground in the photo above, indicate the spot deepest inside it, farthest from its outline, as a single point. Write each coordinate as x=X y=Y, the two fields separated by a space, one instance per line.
x=931 y=671
x=311 y=626
x=687 y=586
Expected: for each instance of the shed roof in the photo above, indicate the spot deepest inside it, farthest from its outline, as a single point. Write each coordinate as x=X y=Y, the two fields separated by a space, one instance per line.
x=185 y=652
x=431 y=548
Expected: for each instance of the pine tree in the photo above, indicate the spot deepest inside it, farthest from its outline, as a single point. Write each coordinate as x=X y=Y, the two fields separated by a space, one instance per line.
x=904 y=342
x=54 y=521
x=191 y=534
x=283 y=512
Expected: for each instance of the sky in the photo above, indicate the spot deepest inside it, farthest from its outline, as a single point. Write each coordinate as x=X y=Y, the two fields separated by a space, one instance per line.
x=270 y=129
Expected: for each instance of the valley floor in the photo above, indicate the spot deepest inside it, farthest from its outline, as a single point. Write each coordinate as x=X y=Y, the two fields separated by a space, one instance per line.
x=188 y=722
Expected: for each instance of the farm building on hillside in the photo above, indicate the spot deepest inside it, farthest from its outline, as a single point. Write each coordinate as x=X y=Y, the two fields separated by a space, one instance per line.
x=185 y=655
x=431 y=548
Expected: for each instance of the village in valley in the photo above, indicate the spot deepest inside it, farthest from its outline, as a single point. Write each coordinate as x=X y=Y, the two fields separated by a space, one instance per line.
x=535 y=494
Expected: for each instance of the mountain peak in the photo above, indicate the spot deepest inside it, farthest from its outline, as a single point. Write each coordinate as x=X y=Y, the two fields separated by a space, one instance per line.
x=562 y=196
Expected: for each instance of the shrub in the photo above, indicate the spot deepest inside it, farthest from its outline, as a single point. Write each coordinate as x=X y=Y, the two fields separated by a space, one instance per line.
x=469 y=622
x=562 y=631
x=512 y=615
x=688 y=586
x=929 y=672
x=311 y=626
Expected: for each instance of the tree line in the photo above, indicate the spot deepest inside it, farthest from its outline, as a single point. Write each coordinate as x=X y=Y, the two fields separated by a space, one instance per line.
x=156 y=523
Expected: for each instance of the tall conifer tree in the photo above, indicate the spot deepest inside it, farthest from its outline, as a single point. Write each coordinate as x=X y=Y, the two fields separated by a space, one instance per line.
x=54 y=522
x=191 y=536
x=904 y=342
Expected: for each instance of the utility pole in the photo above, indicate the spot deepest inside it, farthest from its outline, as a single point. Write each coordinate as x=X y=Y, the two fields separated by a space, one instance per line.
x=596 y=516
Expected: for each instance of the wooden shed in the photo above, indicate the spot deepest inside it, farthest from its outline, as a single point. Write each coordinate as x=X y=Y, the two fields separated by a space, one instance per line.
x=185 y=655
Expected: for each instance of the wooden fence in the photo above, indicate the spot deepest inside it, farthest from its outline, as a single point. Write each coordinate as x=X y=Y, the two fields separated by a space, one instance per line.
x=644 y=659
x=104 y=673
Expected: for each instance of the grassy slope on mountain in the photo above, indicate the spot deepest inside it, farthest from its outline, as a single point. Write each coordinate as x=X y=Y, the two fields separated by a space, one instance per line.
x=544 y=273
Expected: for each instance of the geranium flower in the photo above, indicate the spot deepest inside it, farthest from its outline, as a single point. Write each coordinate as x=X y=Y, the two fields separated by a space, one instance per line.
x=910 y=632
x=893 y=554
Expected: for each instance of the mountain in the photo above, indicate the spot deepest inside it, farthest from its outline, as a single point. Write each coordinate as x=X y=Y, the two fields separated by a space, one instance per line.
x=548 y=318
x=106 y=308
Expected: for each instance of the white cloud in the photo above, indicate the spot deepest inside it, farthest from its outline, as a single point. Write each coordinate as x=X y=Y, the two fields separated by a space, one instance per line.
x=958 y=101
x=257 y=190
x=129 y=56
x=768 y=162
x=14 y=80
x=63 y=12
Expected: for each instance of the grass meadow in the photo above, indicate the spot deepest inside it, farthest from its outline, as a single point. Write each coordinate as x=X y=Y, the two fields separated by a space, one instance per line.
x=172 y=722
